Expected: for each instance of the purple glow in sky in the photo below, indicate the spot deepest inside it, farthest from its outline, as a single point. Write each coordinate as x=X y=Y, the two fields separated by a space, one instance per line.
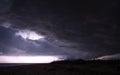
x=29 y=59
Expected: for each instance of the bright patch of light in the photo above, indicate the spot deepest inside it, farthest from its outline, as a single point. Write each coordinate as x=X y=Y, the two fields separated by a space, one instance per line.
x=102 y=58
x=109 y=57
x=31 y=35
x=29 y=59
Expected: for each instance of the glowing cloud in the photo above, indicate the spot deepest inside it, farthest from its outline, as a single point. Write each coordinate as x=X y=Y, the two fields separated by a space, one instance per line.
x=31 y=35
x=28 y=59
x=109 y=57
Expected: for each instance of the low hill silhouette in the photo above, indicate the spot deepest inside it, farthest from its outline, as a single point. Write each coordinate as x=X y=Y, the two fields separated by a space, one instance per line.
x=67 y=67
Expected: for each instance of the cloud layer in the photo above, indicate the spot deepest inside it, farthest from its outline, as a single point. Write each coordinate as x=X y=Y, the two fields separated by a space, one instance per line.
x=90 y=27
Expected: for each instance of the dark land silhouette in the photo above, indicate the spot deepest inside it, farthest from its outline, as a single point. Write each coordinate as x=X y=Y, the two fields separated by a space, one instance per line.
x=68 y=67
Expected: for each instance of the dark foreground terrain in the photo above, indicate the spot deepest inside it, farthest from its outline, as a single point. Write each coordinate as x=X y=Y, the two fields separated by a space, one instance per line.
x=77 y=67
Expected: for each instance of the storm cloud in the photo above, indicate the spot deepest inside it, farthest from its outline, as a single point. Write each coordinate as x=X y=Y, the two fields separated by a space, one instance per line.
x=88 y=28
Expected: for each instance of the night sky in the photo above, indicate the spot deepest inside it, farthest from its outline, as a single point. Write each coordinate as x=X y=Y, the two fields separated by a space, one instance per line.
x=81 y=29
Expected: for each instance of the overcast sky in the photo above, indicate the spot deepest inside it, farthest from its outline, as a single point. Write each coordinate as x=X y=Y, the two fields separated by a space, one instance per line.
x=85 y=29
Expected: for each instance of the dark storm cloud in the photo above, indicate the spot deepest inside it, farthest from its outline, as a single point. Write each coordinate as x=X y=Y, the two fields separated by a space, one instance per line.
x=87 y=26
x=12 y=44
x=5 y=6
